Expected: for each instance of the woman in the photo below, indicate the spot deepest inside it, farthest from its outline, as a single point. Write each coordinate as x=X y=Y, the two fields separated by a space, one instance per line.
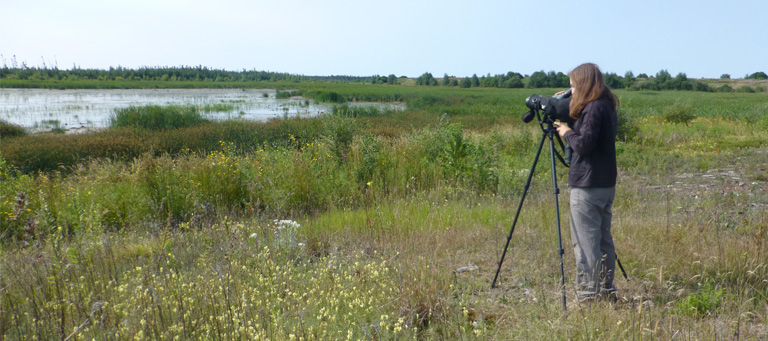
x=592 y=178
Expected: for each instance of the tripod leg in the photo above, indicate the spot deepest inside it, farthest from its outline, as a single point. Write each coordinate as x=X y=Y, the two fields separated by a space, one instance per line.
x=556 y=191
x=621 y=267
x=519 y=207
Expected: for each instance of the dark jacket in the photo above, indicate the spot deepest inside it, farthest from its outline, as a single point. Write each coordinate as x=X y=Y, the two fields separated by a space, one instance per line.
x=593 y=139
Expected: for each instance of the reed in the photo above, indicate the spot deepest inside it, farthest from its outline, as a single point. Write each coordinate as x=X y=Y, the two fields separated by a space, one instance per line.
x=155 y=117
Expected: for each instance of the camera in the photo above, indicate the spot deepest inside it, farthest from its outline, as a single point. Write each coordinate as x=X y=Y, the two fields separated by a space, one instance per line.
x=553 y=108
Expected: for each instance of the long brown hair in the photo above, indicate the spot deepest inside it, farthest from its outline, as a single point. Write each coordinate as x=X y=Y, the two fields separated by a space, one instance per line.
x=589 y=85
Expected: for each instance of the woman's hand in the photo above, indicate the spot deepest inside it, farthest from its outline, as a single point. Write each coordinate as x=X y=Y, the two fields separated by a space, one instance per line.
x=562 y=128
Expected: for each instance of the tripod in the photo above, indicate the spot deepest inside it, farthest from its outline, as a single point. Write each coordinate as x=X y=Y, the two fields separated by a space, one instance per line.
x=548 y=132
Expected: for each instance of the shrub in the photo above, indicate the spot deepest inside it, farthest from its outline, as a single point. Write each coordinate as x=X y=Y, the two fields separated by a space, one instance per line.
x=725 y=88
x=466 y=163
x=679 y=114
x=627 y=128
x=746 y=89
x=155 y=117
x=370 y=160
x=340 y=130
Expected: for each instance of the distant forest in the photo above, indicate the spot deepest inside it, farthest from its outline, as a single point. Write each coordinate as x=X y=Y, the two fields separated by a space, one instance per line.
x=662 y=80
x=172 y=74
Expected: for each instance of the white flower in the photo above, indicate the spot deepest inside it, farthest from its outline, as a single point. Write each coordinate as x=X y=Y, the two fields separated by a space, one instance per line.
x=286 y=223
x=254 y=235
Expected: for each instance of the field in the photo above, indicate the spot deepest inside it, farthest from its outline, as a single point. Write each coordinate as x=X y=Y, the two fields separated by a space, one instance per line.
x=368 y=224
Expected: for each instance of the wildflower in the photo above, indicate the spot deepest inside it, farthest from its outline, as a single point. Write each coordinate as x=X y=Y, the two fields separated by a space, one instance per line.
x=286 y=223
x=253 y=235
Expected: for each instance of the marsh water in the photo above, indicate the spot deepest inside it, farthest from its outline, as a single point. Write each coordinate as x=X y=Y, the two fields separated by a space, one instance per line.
x=78 y=110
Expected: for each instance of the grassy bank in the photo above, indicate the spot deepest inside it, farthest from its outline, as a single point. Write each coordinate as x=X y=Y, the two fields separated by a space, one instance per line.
x=383 y=226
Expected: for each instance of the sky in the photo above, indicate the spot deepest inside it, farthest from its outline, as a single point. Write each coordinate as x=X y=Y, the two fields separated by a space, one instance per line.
x=703 y=39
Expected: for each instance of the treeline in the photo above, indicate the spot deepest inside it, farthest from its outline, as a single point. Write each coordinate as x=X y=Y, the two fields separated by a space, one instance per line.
x=663 y=80
x=508 y=80
x=183 y=73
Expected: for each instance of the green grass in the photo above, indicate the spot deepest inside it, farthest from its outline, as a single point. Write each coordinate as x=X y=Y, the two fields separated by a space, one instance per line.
x=136 y=233
x=155 y=117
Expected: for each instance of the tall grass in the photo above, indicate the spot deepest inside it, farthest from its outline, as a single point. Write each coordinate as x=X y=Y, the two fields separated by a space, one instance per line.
x=155 y=117
x=271 y=178
x=8 y=130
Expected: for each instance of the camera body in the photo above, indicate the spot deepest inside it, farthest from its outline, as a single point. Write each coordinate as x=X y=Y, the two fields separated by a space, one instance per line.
x=552 y=108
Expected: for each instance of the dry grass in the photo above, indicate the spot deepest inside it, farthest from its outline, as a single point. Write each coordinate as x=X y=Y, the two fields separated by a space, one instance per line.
x=737 y=83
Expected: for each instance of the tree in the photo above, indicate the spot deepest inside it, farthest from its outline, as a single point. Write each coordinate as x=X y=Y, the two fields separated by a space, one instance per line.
x=426 y=79
x=614 y=81
x=758 y=75
x=466 y=82
x=392 y=79
x=725 y=76
x=538 y=80
x=629 y=79
x=514 y=82
x=490 y=82
x=475 y=81
x=446 y=81
x=663 y=76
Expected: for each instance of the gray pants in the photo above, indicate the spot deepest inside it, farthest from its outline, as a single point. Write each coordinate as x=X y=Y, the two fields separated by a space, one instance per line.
x=592 y=241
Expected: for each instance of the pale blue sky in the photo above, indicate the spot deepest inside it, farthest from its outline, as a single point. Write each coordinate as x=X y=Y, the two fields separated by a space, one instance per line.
x=703 y=39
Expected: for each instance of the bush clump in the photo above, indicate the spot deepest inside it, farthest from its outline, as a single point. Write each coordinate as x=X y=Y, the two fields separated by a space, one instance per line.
x=627 y=128
x=679 y=114
x=725 y=88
